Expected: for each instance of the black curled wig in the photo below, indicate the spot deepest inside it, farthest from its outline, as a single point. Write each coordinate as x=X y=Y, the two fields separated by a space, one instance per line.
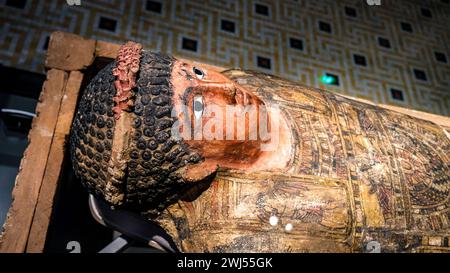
x=151 y=181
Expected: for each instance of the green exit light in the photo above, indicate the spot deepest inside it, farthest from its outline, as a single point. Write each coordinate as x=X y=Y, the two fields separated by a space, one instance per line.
x=330 y=79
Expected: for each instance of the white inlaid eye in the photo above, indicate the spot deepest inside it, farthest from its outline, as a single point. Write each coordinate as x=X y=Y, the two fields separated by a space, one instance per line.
x=199 y=73
x=198 y=106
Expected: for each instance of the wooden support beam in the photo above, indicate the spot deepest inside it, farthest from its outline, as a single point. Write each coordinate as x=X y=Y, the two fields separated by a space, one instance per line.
x=106 y=50
x=69 y=52
x=54 y=168
x=33 y=164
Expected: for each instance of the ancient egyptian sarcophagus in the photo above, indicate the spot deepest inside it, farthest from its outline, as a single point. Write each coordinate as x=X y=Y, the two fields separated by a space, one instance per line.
x=333 y=175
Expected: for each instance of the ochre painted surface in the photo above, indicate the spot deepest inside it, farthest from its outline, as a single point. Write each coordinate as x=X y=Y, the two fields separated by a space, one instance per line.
x=360 y=176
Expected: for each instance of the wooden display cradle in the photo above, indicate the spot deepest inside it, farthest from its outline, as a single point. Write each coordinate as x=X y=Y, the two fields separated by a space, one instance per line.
x=71 y=62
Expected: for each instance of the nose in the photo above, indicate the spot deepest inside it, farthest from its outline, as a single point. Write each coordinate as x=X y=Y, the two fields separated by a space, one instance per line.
x=242 y=96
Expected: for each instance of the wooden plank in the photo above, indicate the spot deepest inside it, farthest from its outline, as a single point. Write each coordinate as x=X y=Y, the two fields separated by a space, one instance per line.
x=69 y=52
x=106 y=50
x=32 y=166
x=54 y=168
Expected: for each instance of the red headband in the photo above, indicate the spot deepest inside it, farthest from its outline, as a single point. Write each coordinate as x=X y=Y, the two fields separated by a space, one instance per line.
x=127 y=67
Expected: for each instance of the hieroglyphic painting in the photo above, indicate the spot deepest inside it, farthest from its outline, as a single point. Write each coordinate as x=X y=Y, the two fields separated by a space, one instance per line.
x=359 y=175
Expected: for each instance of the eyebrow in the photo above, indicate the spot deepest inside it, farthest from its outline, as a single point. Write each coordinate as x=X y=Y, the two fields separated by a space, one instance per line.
x=184 y=99
x=188 y=76
x=187 y=92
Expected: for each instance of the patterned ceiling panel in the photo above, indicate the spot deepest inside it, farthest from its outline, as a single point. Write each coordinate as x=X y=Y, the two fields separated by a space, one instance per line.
x=394 y=53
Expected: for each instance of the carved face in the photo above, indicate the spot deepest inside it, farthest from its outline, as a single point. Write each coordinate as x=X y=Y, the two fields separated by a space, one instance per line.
x=212 y=107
